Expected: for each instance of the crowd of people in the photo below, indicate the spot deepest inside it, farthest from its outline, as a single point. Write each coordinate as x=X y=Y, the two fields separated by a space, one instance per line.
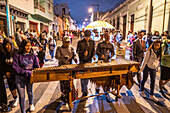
x=17 y=60
x=157 y=50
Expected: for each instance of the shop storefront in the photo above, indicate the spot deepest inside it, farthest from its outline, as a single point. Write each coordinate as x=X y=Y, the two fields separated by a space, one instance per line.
x=33 y=25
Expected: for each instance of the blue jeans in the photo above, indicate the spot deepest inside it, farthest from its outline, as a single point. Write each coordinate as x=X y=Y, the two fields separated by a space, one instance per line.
x=21 y=82
x=152 y=78
x=52 y=53
x=84 y=82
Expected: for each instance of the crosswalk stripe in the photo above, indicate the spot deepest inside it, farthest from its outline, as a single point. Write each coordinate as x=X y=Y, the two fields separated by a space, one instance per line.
x=134 y=94
x=45 y=98
x=54 y=102
x=156 y=91
x=15 y=110
x=139 y=99
x=119 y=105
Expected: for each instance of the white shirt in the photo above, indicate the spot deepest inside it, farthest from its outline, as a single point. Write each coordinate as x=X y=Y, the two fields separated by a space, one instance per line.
x=150 y=60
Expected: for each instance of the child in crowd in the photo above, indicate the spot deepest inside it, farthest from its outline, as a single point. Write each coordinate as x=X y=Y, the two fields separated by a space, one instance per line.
x=52 y=45
x=23 y=63
x=41 y=56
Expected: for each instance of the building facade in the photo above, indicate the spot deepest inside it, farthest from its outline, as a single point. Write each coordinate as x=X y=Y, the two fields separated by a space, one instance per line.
x=43 y=16
x=135 y=15
x=65 y=22
x=18 y=14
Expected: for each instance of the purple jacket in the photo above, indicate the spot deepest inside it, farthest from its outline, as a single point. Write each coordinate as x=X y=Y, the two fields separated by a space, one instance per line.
x=24 y=64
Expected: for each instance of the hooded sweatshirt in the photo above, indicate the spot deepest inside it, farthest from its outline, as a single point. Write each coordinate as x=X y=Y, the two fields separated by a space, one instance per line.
x=9 y=56
x=25 y=63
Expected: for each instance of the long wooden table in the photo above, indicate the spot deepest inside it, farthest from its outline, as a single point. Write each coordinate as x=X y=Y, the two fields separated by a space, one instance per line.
x=112 y=74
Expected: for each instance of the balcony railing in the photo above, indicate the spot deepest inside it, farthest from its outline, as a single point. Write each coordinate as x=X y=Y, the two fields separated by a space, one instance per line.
x=39 y=6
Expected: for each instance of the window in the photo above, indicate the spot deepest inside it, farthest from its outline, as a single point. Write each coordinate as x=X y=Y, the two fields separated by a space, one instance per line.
x=113 y=22
x=49 y=8
x=132 y=22
x=118 y=22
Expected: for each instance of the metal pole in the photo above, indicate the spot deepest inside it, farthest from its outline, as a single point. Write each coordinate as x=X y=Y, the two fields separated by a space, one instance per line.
x=8 y=18
x=164 y=16
x=97 y=11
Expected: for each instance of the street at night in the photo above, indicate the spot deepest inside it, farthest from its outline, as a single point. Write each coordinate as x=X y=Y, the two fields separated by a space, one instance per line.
x=84 y=56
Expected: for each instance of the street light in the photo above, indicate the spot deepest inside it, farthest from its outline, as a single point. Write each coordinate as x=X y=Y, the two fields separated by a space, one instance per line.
x=86 y=19
x=90 y=10
x=84 y=23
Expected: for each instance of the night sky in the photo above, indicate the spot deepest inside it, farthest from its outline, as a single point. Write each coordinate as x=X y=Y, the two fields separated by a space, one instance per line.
x=79 y=8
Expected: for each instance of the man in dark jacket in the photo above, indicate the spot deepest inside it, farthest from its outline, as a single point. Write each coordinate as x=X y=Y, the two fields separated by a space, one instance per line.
x=105 y=49
x=139 y=47
x=86 y=51
x=65 y=54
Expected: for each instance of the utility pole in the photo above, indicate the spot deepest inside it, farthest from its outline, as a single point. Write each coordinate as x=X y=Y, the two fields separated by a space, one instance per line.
x=149 y=16
x=8 y=18
x=97 y=10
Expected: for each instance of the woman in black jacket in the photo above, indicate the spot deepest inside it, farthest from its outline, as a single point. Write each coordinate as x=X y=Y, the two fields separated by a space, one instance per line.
x=9 y=71
x=3 y=96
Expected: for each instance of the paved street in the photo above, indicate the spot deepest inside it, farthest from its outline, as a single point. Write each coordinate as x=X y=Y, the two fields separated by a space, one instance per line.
x=47 y=94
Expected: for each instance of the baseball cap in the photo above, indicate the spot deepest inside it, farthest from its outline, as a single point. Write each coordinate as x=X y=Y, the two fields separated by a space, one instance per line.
x=66 y=39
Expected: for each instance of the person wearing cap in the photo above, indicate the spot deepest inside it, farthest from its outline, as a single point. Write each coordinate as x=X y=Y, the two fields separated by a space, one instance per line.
x=86 y=51
x=65 y=55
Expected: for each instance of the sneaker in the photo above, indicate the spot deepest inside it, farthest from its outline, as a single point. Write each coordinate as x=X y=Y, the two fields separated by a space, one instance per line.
x=142 y=93
x=15 y=103
x=32 y=108
x=152 y=97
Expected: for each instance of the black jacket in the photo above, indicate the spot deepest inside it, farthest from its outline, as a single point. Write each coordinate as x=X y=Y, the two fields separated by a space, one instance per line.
x=83 y=46
x=9 y=56
x=41 y=56
x=2 y=59
x=105 y=49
